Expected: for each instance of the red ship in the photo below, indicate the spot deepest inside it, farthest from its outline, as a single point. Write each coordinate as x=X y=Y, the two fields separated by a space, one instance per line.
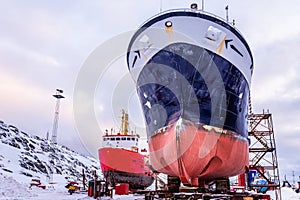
x=121 y=161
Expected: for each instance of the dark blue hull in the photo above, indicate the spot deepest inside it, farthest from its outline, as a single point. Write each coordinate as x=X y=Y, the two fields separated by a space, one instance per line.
x=190 y=96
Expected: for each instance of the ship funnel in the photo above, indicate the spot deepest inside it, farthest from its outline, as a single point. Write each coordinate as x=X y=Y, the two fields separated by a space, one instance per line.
x=124 y=130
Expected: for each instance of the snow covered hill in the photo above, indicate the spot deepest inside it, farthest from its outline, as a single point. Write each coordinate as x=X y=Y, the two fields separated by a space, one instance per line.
x=25 y=157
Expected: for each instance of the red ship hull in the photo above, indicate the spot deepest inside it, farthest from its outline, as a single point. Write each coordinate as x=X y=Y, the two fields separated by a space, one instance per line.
x=194 y=151
x=125 y=167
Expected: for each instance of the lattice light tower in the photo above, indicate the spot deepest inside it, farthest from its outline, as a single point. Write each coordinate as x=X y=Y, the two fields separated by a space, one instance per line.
x=58 y=96
x=262 y=152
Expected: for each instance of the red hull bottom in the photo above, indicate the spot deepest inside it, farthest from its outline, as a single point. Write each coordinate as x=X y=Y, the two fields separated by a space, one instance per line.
x=124 y=166
x=197 y=152
x=135 y=181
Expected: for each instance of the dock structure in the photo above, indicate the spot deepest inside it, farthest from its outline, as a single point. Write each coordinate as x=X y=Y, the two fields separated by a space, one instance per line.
x=167 y=195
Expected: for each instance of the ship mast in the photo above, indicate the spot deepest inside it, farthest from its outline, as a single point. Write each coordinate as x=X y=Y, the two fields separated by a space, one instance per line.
x=124 y=128
x=227 y=18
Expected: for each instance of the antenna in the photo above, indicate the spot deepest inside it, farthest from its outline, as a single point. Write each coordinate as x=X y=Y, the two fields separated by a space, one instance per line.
x=202 y=5
x=226 y=8
x=47 y=135
x=293 y=177
x=160 y=9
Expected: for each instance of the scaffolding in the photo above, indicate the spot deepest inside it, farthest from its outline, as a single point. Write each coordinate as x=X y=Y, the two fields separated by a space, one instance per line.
x=262 y=153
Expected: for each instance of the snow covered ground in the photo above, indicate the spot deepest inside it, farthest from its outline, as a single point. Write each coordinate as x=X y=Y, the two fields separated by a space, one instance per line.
x=10 y=189
x=286 y=193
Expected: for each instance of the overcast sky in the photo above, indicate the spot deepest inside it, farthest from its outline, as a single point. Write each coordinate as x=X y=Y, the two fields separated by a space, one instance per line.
x=44 y=45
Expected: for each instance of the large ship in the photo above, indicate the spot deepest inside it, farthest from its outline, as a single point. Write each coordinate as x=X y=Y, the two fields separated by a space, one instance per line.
x=121 y=161
x=193 y=71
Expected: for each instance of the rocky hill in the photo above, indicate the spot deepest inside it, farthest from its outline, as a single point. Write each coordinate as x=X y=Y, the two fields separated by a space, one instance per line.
x=27 y=155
